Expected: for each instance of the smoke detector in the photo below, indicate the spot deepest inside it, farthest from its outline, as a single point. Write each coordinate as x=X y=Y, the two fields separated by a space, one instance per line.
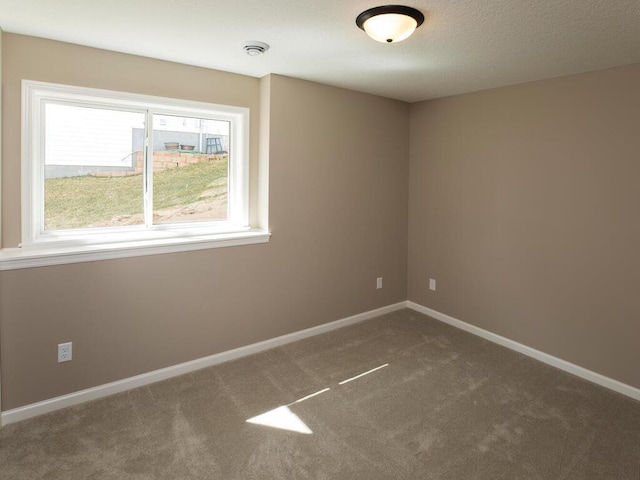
x=255 y=48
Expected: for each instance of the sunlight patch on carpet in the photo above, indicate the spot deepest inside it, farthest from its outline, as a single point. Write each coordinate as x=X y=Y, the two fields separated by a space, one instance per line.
x=363 y=374
x=282 y=418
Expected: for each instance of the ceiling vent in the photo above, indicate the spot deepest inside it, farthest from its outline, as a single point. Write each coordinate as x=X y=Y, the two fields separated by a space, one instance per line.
x=255 y=48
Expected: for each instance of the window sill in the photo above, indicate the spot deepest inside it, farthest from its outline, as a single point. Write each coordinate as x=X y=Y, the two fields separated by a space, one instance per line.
x=42 y=256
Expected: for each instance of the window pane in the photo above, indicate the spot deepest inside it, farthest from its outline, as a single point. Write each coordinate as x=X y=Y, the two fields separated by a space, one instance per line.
x=190 y=169
x=93 y=167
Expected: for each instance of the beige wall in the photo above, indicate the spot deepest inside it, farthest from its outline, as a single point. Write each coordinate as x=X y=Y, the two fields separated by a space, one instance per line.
x=1 y=89
x=1 y=38
x=524 y=207
x=338 y=165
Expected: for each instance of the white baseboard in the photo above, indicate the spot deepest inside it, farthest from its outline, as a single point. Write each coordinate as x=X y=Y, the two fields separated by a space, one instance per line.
x=581 y=372
x=64 y=401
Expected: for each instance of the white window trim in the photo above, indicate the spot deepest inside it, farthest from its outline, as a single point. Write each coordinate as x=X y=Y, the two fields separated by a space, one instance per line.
x=19 y=258
x=39 y=248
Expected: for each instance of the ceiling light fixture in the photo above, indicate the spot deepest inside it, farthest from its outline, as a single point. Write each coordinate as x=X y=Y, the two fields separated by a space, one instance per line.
x=390 y=23
x=255 y=48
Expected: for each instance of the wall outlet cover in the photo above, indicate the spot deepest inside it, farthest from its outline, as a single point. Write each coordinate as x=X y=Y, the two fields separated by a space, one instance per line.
x=65 y=352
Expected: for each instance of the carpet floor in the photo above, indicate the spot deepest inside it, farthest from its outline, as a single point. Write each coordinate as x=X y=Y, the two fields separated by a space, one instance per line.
x=398 y=397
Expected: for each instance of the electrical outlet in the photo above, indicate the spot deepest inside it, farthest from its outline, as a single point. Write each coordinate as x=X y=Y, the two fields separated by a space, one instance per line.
x=379 y=283
x=432 y=284
x=65 y=352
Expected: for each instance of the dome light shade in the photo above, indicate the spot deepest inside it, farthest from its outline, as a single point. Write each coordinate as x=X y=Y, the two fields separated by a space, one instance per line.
x=390 y=23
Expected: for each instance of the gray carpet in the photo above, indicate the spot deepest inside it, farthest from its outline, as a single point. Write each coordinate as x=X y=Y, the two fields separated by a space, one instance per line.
x=437 y=403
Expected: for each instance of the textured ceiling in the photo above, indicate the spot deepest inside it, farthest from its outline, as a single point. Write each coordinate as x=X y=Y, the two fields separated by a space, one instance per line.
x=463 y=46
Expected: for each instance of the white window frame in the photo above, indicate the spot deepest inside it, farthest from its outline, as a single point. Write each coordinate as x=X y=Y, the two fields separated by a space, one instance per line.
x=35 y=96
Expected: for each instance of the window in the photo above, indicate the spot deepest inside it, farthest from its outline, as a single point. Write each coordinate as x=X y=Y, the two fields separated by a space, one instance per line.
x=101 y=167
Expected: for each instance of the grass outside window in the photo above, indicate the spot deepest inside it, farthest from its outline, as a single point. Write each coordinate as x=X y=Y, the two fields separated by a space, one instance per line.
x=180 y=195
